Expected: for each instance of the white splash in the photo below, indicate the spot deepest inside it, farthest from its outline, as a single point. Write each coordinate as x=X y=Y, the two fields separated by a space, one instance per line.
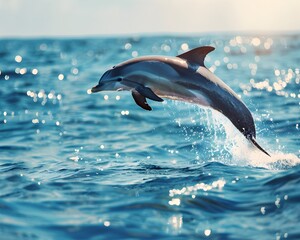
x=244 y=153
x=226 y=138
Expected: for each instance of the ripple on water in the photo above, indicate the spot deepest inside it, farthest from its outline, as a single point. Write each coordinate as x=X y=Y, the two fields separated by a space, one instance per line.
x=76 y=165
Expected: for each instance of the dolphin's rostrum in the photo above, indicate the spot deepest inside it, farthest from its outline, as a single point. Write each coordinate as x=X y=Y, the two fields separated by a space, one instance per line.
x=183 y=78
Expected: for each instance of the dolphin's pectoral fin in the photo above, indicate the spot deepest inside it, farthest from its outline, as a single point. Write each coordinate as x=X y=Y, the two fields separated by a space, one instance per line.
x=140 y=100
x=148 y=93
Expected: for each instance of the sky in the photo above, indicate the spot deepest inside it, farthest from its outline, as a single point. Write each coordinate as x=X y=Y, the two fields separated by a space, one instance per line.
x=39 y=18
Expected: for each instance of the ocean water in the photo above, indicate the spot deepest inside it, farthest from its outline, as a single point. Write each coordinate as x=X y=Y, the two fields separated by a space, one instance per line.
x=75 y=165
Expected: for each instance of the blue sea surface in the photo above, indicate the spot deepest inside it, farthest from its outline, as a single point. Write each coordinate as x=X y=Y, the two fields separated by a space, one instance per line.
x=75 y=165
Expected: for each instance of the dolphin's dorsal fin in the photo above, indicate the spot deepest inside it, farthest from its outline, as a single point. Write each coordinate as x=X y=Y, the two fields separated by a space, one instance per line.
x=197 y=55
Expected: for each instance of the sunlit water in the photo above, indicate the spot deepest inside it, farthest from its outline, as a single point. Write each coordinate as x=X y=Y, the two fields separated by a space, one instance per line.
x=75 y=165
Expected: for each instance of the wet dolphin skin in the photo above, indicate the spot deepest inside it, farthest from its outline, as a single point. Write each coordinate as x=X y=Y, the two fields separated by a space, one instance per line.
x=184 y=78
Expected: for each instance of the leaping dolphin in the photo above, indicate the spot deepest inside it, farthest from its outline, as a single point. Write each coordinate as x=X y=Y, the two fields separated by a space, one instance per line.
x=184 y=78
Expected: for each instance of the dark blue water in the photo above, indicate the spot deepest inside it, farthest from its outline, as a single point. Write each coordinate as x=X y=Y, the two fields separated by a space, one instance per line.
x=75 y=165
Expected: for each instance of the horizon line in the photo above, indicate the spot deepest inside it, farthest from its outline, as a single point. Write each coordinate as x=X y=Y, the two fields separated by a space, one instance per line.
x=153 y=34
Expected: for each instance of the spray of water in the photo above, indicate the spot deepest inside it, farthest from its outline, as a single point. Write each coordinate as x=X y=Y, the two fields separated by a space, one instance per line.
x=245 y=153
x=230 y=147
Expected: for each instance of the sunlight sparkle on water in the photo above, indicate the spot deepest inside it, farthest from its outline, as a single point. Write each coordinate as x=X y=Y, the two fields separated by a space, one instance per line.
x=256 y=41
x=165 y=47
x=75 y=159
x=35 y=121
x=184 y=46
x=183 y=163
x=75 y=71
x=124 y=112
x=239 y=39
x=106 y=223
x=61 y=77
x=277 y=202
x=34 y=71
x=207 y=232
x=43 y=47
x=226 y=49
x=134 y=54
x=190 y=190
x=42 y=96
x=41 y=93
x=23 y=71
x=18 y=59
x=127 y=46
x=175 y=201
x=176 y=222
x=50 y=95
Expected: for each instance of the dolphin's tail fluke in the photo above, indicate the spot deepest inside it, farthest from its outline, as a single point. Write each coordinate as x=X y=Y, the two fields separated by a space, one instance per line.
x=252 y=139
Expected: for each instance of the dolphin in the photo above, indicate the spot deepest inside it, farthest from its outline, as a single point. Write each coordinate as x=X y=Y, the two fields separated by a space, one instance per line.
x=184 y=78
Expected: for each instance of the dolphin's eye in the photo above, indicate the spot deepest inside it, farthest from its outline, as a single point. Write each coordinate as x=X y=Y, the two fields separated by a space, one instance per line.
x=119 y=79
